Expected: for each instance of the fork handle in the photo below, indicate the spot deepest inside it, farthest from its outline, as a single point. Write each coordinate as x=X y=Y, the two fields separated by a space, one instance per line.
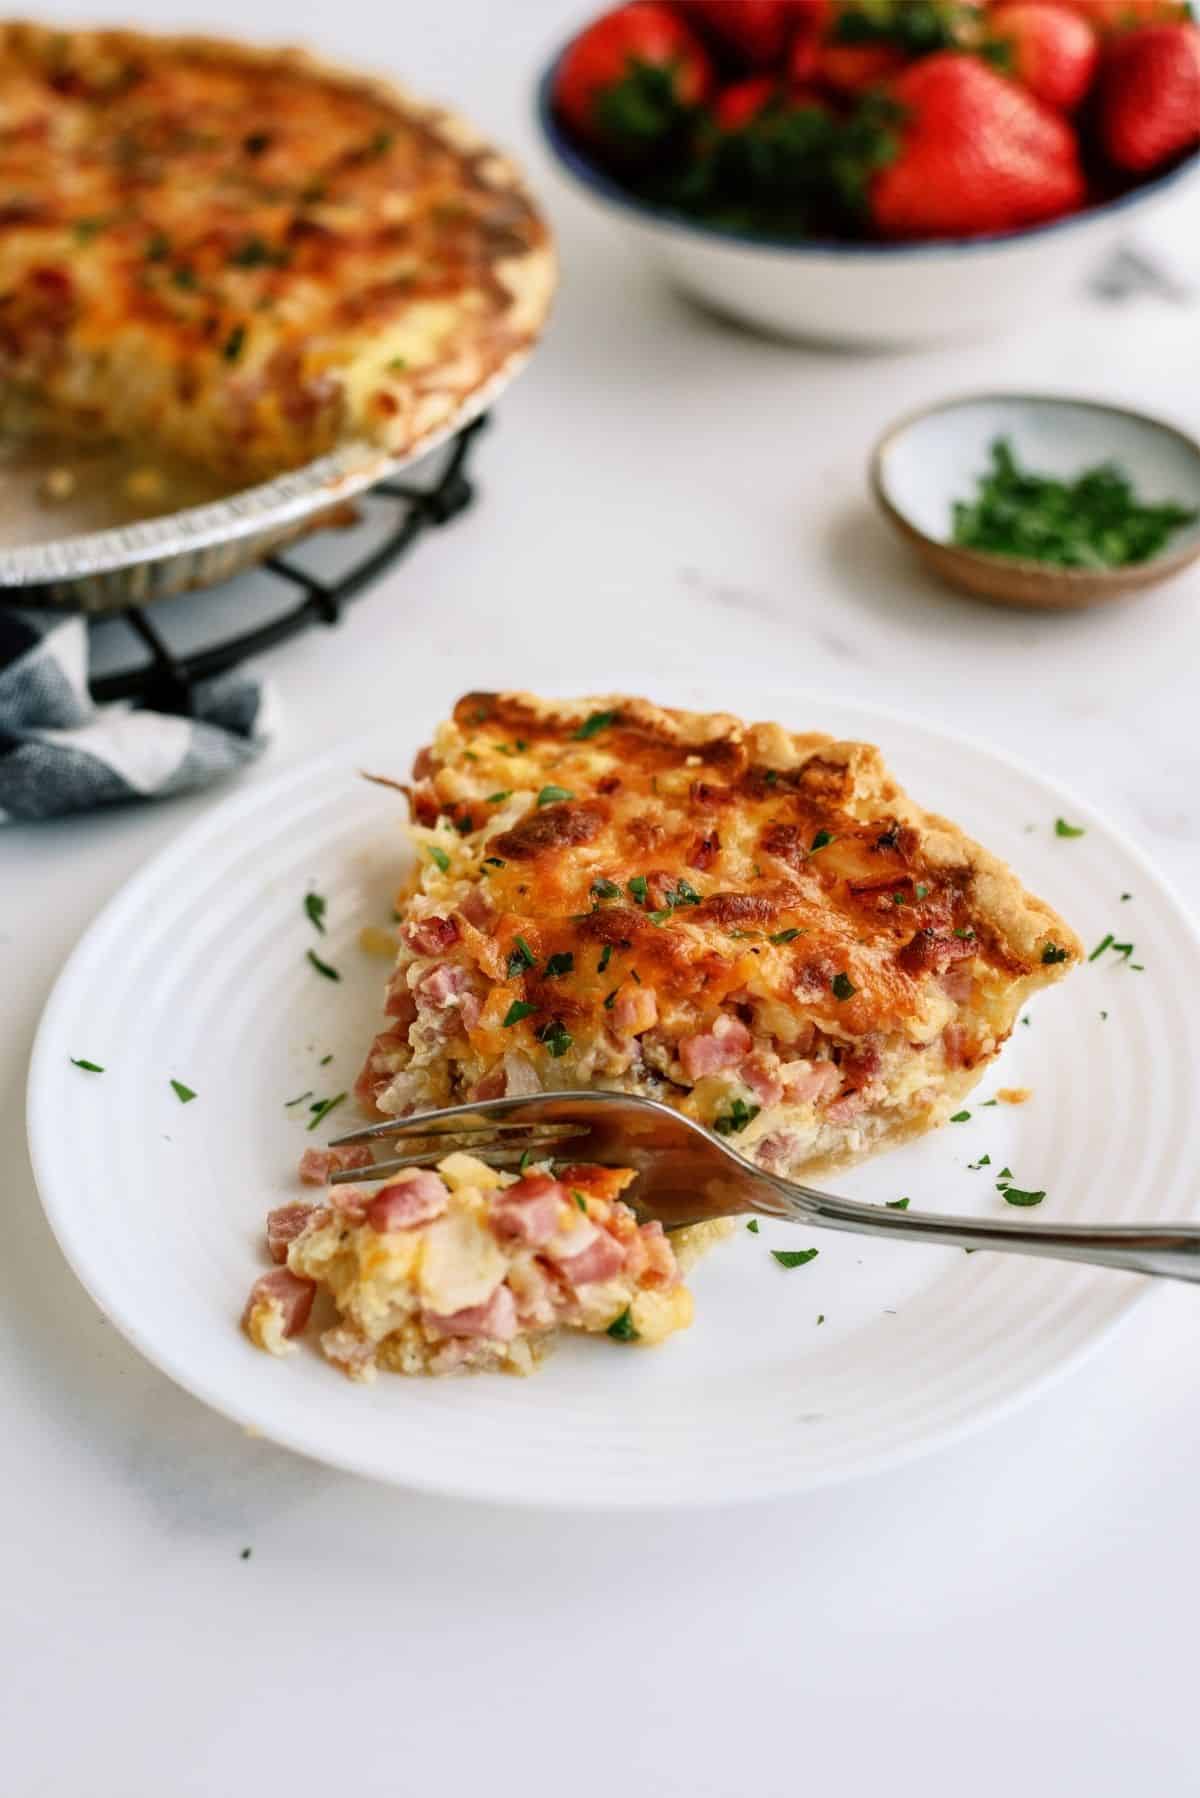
x=1172 y=1252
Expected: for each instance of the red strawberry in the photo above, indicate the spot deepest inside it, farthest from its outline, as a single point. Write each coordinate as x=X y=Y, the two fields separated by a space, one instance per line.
x=977 y=153
x=738 y=105
x=628 y=80
x=848 y=68
x=1107 y=16
x=1049 y=49
x=759 y=31
x=1150 y=96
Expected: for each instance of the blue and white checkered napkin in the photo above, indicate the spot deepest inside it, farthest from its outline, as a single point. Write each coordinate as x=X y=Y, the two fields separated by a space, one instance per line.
x=61 y=753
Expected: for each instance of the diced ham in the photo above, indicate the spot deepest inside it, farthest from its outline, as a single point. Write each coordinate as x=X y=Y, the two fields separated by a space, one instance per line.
x=316 y=1165
x=603 y=1257
x=477 y=909
x=933 y=951
x=808 y=1082
x=529 y=1212
x=443 y=985
x=958 y=980
x=760 y=1072
x=779 y=1150
x=636 y=1009
x=490 y=1087
x=414 y=1197
x=469 y=1008
x=400 y=1003
x=349 y=1203
x=850 y=1105
x=497 y=1319
x=289 y=1293
x=724 y=1046
x=705 y=850
x=431 y=936
x=284 y=1224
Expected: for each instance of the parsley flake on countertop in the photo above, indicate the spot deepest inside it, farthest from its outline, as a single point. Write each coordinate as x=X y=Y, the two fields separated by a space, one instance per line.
x=183 y=1093
x=794 y=1257
x=593 y=724
x=1094 y=521
x=314 y=911
x=551 y=795
x=323 y=967
x=322 y=1109
x=89 y=1067
x=1063 y=829
x=621 y=1329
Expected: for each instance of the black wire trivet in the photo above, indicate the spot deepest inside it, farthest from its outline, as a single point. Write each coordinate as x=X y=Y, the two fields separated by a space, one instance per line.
x=167 y=682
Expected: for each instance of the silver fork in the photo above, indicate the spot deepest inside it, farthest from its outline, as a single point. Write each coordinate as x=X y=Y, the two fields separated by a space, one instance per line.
x=687 y=1176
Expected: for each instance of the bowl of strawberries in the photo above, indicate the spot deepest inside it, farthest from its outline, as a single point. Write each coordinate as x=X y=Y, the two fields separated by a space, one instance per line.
x=878 y=172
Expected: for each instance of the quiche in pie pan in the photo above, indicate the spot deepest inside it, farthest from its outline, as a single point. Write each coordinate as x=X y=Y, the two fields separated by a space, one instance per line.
x=284 y=275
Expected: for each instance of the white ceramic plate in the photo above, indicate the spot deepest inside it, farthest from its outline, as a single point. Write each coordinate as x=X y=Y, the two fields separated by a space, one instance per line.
x=197 y=972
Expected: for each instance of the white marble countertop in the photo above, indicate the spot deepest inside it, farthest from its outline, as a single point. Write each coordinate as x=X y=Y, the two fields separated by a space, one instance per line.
x=1013 y=1614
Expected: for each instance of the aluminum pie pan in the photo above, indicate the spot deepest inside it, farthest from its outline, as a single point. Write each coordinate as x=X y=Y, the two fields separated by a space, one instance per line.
x=136 y=563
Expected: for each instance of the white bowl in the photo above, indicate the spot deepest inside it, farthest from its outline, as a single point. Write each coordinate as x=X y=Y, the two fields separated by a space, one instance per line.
x=867 y=294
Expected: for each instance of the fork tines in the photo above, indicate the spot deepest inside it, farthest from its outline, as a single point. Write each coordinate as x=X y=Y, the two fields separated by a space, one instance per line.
x=431 y=1125
x=516 y=1144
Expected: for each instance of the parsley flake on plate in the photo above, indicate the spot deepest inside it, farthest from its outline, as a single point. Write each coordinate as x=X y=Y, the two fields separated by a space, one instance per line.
x=794 y=1257
x=622 y=1328
x=1063 y=829
x=183 y=1093
x=322 y=1109
x=1014 y=1196
x=323 y=967
x=960 y=1117
x=897 y=1204
x=298 y=1100
x=752 y=1226
x=89 y=1067
x=314 y=911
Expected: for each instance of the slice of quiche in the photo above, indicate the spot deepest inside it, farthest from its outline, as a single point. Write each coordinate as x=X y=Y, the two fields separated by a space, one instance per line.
x=756 y=926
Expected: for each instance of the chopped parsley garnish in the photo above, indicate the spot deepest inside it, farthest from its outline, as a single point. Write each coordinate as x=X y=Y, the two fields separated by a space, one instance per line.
x=256 y=143
x=231 y=349
x=899 y=899
x=493 y=861
x=897 y=1204
x=89 y=1067
x=1101 y=946
x=843 y=987
x=397 y=366
x=579 y=1200
x=635 y=977
x=1014 y=1196
x=439 y=858
x=323 y=967
x=1125 y=896
x=556 y=1037
x=158 y=248
x=1004 y=1174
x=560 y=964
x=380 y=144
x=298 y=1100
x=498 y=798
x=612 y=999
x=966 y=933
x=784 y=936
x=184 y=277
x=984 y=1161
x=821 y=1317
x=606 y=889
x=322 y=1109
x=1094 y=521
x=960 y=1117
x=991 y=1102
x=593 y=724
x=1063 y=829
x=637 y=888
x=551 y=795
x=464 y=825
x=661 y=916
x=736 y=1118
x=683 y=893
x=794 y=1257
x=325 y=1061
x=526 y=1158
x=520 y=957
x=255 y=252
x=605 y=958
x=921 y=890
x=183 y=1093
x=85 y=229
x=822 y=840
x=314 y=911
x=621 y=1329
x=1104 y=1016
x=1124 y=950
x=752 y=1226
x=519 y=1009
x=1052 y=953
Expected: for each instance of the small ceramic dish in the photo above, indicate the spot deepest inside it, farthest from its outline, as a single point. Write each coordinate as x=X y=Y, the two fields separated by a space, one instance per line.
x=932 y=458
